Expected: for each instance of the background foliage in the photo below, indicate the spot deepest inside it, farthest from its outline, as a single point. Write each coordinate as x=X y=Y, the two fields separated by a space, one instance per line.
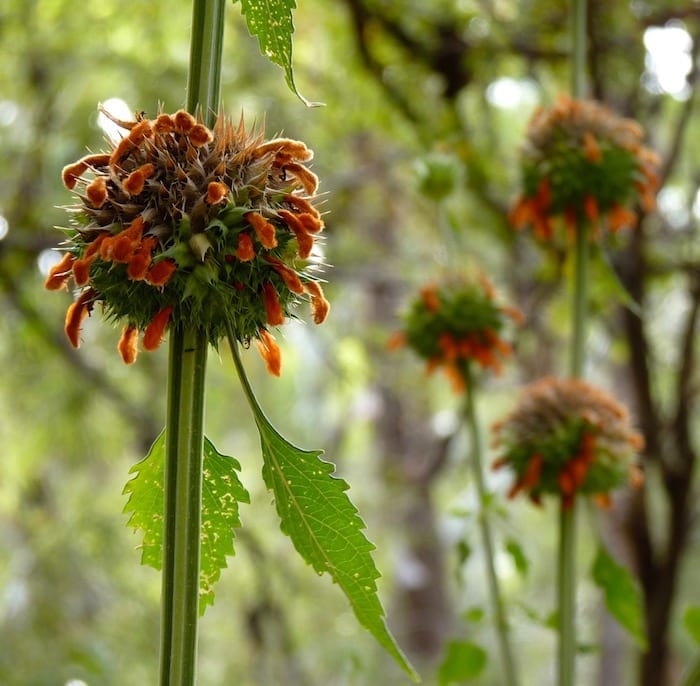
x=417 y=148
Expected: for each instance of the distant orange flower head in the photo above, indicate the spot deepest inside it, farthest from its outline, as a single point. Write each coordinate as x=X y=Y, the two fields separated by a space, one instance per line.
x=583 y=165
x=457 y=323
x=567 y=437
x=178 y=223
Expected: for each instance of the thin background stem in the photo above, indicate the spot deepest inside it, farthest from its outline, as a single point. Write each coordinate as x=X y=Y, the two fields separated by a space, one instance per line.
x=497 y=606
x=567 y=516
x=185 y=414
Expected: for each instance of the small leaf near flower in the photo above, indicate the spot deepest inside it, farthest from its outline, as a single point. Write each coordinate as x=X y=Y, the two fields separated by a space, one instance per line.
x=271 y=21
x=622 y=595
x=221 y=493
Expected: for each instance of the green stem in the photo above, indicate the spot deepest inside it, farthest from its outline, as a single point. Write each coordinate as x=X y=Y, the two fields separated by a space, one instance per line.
x=206 y=44
x=182 y=506
x=185 y=414
x=566 y=581
x=497 y=605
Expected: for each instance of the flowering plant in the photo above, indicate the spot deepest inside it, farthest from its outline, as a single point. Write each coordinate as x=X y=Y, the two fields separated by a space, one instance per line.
x=583 y=163
x=178 y=224
x=455 y=323
x=567 y=437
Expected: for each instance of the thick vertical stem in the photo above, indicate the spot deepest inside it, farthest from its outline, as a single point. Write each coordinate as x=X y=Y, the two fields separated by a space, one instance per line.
x=567 y=517
x=206 y=45
x=182 y=507
x=185 y=413
x=497 y=606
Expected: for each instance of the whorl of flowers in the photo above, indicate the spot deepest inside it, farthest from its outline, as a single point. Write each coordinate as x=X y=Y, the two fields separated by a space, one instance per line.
x=584 y=163
x=456 y=323
x=567 y=437
x=178 y=224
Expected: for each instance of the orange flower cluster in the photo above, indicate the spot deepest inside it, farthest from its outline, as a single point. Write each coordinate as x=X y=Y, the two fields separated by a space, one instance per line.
x=567 y=437
x=179 y=224
x=455 y=324
x=584 y=164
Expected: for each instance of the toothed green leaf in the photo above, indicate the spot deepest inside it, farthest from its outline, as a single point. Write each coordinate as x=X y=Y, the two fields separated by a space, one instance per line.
x=271 y=21
x=221 y=494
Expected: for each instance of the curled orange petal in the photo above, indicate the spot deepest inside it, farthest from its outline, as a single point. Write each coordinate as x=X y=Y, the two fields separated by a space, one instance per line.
x=96 y=191
x=320 y=307
x=159 y=274
x=216 y=192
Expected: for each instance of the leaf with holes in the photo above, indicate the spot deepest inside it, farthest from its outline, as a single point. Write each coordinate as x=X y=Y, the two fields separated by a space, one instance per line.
x=271 y=21
x=221 y=493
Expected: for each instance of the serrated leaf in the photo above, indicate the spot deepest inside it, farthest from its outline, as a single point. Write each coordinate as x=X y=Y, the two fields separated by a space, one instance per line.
x=325 y=528
x=622 y=595
x=221 y=494
x=462 y=661
x=271 y=22
x=517 y=554
x=691 y=622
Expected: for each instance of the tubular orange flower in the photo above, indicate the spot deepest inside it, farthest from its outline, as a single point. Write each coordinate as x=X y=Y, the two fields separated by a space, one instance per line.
x=179 y=223
x=566 y=437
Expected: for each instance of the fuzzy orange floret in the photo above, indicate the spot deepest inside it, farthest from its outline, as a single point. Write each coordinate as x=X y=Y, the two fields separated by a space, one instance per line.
x=164 y=124
x=76 y=314
x=264 y=230
x=430 y=298
x=59 y=273
x=269 y=351
x=273 y=310
x=153 y=335
x=306 y=178
x=200 y=135
x=184 y=121
x=96 y=191
x=312 y=223
x=302 y=204
x=81 y=271
x=140 y=261
x=134 y=183
x=289 y=276
x=620 y=217
x=245 y=251
x=216 y=192
x=72 y=172
x=304 y=238
x=140 y=130
x=128 y=344
x=126 y=145
x=320 y=307
x=159 y=274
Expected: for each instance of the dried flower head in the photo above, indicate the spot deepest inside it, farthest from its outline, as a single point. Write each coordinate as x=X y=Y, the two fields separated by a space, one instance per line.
x=567 y=437
x=456 y=323
x=583 y=163
x=178 y=224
